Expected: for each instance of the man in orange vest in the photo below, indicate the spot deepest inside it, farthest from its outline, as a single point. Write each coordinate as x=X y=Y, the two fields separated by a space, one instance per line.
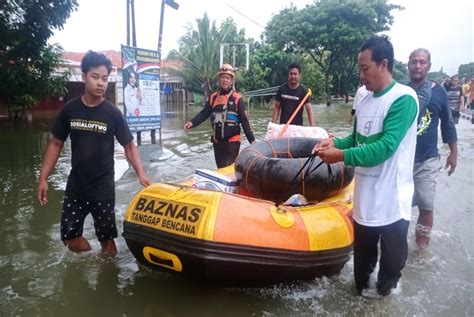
x=226 y=109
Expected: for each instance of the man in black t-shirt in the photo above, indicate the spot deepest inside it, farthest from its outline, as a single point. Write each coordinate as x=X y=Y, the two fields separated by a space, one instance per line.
x=289 y=96
x=91 y=122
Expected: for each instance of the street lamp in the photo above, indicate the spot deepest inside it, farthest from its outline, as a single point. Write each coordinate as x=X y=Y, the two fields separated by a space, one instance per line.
x=175 y=6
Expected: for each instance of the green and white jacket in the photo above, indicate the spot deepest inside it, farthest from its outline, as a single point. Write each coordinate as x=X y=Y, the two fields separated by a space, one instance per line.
x=382 y=149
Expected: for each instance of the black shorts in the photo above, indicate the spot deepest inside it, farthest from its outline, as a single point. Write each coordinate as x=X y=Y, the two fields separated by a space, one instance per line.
x=75 y=211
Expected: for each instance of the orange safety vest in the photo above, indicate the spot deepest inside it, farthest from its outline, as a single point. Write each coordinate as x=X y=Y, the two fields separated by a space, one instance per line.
x=225 y=116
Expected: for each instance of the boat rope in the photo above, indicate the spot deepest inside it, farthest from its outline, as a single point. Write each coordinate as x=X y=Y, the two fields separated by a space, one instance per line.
x=309 y=162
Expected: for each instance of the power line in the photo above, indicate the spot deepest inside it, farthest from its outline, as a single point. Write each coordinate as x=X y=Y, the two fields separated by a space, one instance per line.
x=251 y=20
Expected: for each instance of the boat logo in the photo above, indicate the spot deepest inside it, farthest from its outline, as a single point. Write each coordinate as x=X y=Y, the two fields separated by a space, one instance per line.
x=178 y=217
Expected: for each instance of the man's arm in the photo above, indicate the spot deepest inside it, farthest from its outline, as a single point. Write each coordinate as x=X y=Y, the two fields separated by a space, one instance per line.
x=203 y=115
x=131 y=152
x=51 y=155
x=452 y=159
x=309 y=110
x=448 y=131
x=276 y=112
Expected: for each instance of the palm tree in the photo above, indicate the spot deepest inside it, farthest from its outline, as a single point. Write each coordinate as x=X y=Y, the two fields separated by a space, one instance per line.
x=199 y=51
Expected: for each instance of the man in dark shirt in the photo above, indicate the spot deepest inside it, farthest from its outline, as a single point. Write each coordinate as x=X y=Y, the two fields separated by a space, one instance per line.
x=455 y=97
x=434 y=107
x=289 y=96
x=91 y=122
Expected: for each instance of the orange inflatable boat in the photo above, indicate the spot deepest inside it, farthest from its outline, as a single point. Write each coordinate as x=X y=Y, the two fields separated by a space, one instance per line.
x=234 y=239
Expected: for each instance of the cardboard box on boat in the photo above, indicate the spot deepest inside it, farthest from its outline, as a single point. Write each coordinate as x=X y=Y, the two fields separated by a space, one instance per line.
x=207 y=179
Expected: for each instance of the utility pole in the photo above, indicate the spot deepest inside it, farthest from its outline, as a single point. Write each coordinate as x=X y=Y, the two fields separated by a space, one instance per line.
x=131 y=18
x=175 y=6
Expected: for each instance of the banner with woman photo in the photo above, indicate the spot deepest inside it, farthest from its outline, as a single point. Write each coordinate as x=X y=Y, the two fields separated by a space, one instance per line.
x=141 y=88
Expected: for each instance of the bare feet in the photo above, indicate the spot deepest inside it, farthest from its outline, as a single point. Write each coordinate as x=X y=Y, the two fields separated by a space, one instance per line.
x=79 y=244
x=109 y=247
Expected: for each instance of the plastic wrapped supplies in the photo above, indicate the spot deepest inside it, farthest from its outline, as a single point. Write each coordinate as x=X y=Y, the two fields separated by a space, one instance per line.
x=207 y=179
x=274 y=129
x=296 y=200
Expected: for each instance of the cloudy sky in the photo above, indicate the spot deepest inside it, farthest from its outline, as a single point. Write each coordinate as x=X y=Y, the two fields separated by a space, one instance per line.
x=444 y=27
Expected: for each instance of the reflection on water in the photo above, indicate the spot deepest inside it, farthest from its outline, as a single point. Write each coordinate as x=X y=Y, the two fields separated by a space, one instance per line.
x=38 y=276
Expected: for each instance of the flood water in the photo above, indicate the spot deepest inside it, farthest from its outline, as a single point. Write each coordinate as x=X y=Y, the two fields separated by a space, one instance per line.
x=39 y=277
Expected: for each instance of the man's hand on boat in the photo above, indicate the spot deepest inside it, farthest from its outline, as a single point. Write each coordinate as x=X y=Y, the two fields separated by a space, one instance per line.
x=327 y=152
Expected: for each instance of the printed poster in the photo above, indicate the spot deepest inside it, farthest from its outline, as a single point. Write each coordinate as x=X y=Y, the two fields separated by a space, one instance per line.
x=141 y=88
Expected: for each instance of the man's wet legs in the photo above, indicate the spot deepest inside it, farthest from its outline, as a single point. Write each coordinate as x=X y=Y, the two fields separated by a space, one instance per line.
x=423 y=228
x=79 y=244
x=365 y=254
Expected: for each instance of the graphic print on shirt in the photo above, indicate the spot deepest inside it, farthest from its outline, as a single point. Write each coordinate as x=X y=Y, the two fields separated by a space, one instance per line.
x=88 y=125
x=290 y=97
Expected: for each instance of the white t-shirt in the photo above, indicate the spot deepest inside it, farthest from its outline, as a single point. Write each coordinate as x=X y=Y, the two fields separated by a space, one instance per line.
x=361 y=92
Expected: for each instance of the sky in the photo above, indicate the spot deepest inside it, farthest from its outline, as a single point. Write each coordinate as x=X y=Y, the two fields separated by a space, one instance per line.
x=443 y=27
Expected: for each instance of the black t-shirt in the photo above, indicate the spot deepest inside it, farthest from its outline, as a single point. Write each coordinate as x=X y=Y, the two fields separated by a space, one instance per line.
x=92 y=131
x=289 y=100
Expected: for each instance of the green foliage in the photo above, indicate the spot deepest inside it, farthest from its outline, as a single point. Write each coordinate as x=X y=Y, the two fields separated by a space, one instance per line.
x=400 y=72
x=234 y=51
x=312 y=77
x=199 y=51
x=268 y=68
x=437 y=76
x=254 y=78
x=466 y=71
x=27 y=62
x=331 y=33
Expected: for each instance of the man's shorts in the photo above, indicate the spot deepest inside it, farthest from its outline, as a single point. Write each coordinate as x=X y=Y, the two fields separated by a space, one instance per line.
x=75 y=211
x=424 y=176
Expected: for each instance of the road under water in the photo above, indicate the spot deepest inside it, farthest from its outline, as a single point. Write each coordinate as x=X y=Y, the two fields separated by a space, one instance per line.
x=39 y=277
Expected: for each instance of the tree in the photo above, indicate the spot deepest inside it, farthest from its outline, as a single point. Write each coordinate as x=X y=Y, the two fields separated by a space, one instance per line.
x=199 y=51
x=234 y=50
x=466 y=71
x=27 y=61
x=400 y=72
x=437 y=76
x=331 y=32
x=268 y=67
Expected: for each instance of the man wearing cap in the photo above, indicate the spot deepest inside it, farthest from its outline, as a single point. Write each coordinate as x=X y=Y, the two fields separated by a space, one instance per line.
x=226 y=109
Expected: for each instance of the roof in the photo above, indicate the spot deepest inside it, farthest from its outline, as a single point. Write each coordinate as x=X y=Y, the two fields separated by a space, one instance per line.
x=75 y=58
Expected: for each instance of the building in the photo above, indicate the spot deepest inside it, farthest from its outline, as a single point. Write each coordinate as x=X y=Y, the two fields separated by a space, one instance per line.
x=171 y=87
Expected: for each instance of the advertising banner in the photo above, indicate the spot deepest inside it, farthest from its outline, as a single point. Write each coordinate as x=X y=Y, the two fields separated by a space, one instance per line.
x=141 y=88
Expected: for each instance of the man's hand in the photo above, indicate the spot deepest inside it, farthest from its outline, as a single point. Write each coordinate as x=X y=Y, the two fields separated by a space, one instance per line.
x=43 y=192
x=187 y=126
x=323 y=145
x=144 y=181
x=331 y=155
x=451 y=163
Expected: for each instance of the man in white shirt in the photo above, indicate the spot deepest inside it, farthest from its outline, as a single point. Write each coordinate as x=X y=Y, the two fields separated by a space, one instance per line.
x=382 y=150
